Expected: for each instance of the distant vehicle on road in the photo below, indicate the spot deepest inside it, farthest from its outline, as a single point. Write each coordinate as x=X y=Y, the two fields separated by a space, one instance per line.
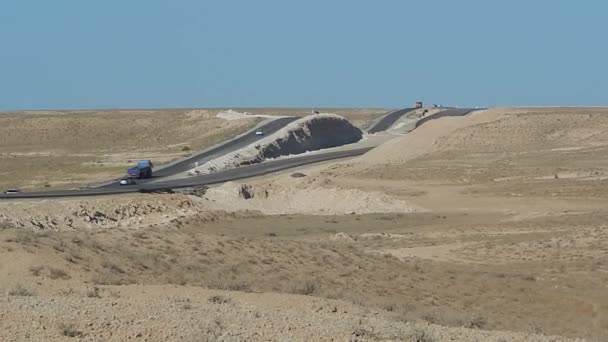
x=12 y=192
x=142 y=170
x=127 y=181
x=259 y=132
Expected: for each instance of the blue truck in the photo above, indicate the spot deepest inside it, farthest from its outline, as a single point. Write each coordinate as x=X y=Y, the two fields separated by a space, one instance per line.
x=142 y=170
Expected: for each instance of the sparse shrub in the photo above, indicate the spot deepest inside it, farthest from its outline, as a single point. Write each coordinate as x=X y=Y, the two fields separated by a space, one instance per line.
x=60 y=247
x=4 y=224
x=179 y=279
x=20 y=291
x=140 y=234
x=69 y=330
x=477 y=322
x=93 y=293
x=110 y=279
x=390 y=307
x=218 y=299
x=23 y=238
x=530 y=278
x=305 y=286
x=65 y=292
x=112 y=267
x=55 y=273
x=298 y=175
x=223 y=281
x=72 y=256
x=421 y=335
x=47 y=185
x=186 y=149
x=35 y=270
x=213 y=331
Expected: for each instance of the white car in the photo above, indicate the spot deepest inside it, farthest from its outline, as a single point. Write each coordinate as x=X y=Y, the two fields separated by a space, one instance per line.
x=127 y=181
x=12 y=192
x=259 y=132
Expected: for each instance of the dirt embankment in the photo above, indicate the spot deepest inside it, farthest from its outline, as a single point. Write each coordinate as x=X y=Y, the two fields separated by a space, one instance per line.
x=307 y=134
x=128 y=211
x=273 y=199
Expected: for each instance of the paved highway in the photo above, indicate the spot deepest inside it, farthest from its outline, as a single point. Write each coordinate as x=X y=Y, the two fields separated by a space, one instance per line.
x=214 y=178
x=214 y=152
x=228 y=175
x=388 y=120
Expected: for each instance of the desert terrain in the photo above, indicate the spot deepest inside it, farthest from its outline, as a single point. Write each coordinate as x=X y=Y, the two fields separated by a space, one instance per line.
x=488 y=227
x=69 y=149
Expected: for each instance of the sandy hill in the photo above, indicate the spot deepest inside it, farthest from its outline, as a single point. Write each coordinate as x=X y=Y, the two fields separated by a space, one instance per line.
x=549 y=151
x=462 y=230
x=310 y=133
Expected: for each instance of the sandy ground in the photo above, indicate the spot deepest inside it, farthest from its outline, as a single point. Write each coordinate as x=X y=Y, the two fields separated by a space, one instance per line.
x=491 y=227
x=407 y=122
x=68 y=149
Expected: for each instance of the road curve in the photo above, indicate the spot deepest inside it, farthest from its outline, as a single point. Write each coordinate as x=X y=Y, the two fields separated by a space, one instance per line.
x=214 y=178
x=447 y=112
x=232 y=174
x=388 y=120
x=219 y=150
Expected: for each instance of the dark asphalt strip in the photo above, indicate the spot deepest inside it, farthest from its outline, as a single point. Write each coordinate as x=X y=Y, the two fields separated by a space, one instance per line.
x=214 y=178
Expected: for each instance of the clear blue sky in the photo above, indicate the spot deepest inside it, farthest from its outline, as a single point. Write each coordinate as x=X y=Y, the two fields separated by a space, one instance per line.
x=384 y=53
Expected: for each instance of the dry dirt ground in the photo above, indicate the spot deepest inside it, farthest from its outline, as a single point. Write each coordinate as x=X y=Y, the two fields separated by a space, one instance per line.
x=490 y=227
x=65 y=149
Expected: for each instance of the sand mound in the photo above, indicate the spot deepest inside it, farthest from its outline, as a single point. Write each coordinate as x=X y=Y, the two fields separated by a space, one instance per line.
x=129 y=211
x=275 y=200
x=500 y=130
x=231 y=115
x=310 y=133
x=424 y=139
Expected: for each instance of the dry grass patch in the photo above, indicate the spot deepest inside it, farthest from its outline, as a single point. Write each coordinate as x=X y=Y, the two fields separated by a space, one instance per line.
x=55 y=273
x=69 y=330
x=79 y=147
x=93 y=292
x=219 y=299
x=20 y=291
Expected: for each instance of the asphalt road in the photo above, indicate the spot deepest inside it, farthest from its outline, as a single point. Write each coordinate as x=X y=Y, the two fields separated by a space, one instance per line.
x=214 y=178
x=388 y=120
x=227 y=147
x=233 y=174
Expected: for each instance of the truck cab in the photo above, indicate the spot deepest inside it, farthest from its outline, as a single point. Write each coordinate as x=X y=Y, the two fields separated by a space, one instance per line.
x=142 y=170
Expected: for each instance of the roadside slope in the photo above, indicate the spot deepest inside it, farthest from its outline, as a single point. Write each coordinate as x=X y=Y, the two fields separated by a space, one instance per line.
x=310 y=133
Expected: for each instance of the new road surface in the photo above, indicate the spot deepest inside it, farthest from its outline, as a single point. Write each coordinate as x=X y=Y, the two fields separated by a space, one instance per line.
x=388 y=120
x=214 y=152
x=228 y=175
x=213 y=178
